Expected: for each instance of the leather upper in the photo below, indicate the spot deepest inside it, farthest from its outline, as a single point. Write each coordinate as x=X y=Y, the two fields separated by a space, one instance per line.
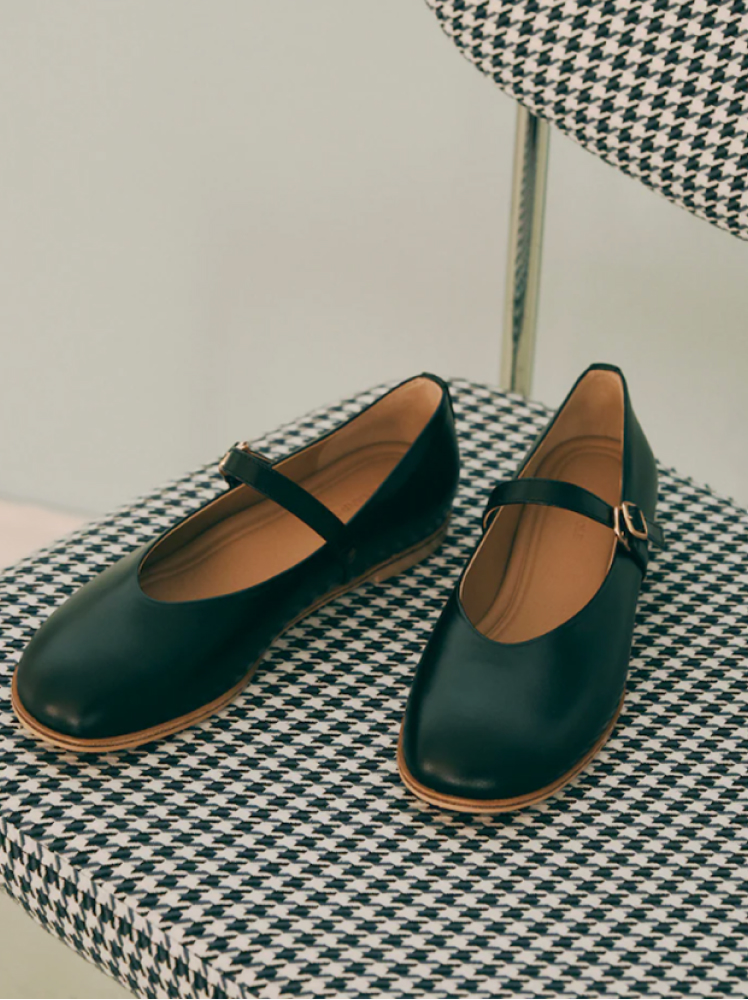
x=113 y=660
x=492 y=720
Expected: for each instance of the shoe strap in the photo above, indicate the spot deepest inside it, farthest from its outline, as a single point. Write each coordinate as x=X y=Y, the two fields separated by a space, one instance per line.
x=242 y=465
x=627 y=520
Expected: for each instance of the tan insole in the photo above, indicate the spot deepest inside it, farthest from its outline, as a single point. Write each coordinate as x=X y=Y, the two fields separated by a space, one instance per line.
x=263 y=540
x=558 y=559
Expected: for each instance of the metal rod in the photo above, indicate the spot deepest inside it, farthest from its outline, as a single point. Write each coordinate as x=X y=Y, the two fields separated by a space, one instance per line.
x=525 y=250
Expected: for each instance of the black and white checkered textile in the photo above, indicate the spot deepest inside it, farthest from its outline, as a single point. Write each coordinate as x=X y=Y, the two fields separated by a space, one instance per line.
x=658 y=89
x=273 y=852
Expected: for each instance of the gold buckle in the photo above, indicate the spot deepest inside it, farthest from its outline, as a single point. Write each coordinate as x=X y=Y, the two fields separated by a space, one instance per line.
x=241 y=446
x=629 y=528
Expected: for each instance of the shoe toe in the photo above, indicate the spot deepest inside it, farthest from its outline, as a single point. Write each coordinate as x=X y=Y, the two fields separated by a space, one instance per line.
x=487 y=721
x=63 y=685
x=78 y=675
x=470 y=755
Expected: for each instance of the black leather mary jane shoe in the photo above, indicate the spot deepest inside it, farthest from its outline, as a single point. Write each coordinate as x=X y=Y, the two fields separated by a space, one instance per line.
x=172 y=632
x=523 y=678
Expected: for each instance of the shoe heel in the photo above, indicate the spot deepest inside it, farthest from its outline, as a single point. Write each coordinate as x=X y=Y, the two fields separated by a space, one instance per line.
x=411 y=557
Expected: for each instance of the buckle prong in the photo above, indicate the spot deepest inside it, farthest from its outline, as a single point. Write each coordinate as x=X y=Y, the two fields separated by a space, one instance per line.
x=625 y=526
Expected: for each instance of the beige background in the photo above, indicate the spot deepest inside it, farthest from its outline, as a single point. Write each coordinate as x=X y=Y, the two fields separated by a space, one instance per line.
x=214 y=216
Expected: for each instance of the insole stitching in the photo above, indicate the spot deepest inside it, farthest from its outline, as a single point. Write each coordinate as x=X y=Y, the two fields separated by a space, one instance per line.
x=265 y=513
x=354 y=478
x=530 y=527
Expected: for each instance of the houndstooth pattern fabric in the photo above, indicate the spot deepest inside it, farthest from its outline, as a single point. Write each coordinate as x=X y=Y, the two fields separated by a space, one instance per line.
x=272 y=851
x=659 y=90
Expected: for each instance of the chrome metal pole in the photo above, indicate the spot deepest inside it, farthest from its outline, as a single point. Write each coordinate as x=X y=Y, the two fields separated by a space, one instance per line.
x=525 y=249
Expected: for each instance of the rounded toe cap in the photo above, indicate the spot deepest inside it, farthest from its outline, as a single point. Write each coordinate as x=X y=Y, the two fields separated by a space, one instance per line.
x=51 y=692
x=467 y=759
x=506 y=724
x=111 y=668
x=73 y=679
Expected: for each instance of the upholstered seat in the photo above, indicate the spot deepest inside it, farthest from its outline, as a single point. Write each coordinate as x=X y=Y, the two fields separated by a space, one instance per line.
x=659 y=90
x=272 y=851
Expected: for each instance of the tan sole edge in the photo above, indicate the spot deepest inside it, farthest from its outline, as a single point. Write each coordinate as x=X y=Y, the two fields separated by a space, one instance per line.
x=494 y=807
x=397 y=564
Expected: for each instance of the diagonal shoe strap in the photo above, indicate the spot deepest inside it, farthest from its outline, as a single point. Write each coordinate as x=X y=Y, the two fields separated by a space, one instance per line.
x=242 y=465
x=627 y=520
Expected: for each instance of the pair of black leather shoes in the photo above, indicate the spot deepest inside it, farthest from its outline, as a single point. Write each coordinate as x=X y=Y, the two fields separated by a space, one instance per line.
x=523 y=677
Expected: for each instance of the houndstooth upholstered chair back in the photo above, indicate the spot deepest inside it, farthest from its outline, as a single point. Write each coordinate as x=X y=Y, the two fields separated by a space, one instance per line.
x=658 y=89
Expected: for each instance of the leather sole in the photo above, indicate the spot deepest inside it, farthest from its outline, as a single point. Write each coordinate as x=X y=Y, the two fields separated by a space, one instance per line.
x=384 y=571
x=493 y=807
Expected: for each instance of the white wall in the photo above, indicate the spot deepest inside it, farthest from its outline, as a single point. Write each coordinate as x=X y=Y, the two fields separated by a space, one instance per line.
x=216 y=216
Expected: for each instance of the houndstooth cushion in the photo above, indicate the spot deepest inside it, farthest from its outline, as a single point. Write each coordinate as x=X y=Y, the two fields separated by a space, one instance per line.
x=659 y=90
x=272 y=851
